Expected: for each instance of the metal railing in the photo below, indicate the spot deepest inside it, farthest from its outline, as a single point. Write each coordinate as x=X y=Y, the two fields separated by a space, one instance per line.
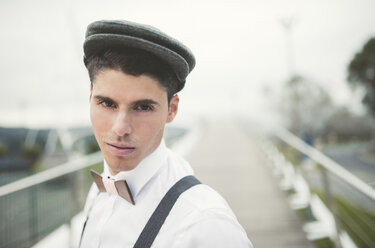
x=349 y=218
x=32 y=207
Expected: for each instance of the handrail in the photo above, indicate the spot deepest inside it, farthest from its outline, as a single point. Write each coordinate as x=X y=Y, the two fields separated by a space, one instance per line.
x=40 y=201
x=77 y=164
x=325 y=162
x=60 y=170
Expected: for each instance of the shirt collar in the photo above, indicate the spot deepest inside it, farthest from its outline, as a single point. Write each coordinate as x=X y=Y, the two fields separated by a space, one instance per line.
x=143 y=172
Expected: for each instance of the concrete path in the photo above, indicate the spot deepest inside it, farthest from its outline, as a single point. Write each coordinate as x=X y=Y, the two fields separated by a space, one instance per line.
x=228 y=160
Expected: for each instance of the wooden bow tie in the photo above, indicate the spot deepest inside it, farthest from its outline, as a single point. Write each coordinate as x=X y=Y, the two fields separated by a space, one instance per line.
x=111 y=186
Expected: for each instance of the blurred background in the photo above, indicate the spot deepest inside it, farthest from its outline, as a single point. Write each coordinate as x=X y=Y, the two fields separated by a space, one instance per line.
x=304 y=67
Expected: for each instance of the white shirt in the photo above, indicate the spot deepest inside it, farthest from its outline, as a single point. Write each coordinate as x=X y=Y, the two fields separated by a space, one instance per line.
x=200 y=217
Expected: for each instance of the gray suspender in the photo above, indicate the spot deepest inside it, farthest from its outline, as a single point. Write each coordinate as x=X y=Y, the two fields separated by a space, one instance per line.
x=157 y=219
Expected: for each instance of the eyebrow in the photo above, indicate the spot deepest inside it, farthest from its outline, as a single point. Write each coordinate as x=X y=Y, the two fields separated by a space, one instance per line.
x=145 y=102
x=104 y=98
x=135 y=103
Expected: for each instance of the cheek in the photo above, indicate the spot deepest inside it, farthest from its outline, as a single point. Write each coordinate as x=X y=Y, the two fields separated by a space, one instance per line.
x=149 y=127
x=100 y=120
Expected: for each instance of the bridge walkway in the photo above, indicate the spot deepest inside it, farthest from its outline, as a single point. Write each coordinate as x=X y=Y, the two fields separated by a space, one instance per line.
x=231 y=162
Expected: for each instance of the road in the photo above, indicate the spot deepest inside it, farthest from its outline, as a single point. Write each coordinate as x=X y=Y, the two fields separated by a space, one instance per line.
x=352 y=158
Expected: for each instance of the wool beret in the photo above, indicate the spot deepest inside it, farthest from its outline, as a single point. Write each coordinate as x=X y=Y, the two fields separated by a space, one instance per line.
x=107 y=34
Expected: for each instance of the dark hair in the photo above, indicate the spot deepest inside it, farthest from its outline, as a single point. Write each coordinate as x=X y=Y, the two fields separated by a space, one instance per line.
x=134 y=62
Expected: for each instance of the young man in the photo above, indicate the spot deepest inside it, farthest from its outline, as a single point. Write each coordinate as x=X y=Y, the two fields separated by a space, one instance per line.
x=146 y=194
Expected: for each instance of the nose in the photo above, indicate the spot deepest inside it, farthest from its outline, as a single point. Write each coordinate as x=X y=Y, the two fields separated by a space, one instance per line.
x=122 y=126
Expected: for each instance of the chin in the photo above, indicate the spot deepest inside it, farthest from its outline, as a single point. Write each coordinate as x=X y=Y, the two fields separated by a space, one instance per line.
x=120 y=164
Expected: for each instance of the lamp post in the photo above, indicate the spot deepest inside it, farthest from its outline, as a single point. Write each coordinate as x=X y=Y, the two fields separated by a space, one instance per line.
x=287 y=24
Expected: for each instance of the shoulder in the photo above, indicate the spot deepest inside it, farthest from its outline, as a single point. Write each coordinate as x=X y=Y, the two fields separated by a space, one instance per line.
x=205 y=220
x=197 y=199
x=202 y=197
x=201 y=217
x=202 y=203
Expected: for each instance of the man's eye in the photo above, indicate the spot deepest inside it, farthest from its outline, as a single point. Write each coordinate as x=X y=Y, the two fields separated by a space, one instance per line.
x=144 y=108
x=107 y=104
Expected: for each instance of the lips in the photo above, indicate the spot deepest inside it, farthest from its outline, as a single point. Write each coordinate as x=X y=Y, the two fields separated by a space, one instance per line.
x=120 y=150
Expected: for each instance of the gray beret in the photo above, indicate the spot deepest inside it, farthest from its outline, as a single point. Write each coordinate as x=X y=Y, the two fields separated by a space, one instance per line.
x=106 y=34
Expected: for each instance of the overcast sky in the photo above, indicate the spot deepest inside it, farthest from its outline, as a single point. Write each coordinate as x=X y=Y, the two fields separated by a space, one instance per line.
x=239 y=48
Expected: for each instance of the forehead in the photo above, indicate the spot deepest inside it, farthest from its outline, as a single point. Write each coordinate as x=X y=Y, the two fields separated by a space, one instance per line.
x=116 y=83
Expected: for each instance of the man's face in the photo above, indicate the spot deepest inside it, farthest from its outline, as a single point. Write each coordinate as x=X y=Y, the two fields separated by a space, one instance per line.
x=128 y=115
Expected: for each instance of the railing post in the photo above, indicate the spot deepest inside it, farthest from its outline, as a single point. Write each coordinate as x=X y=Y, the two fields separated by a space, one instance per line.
x=72 y=206
x=75 y=205
x=31 y=186
x=331 y=204
x=33 y=220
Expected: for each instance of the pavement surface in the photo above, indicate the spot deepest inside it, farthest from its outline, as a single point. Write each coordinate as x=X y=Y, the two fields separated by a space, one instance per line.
x=227 y=159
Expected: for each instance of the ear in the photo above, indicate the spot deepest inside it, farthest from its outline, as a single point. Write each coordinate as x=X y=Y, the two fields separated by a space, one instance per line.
x=173 y=107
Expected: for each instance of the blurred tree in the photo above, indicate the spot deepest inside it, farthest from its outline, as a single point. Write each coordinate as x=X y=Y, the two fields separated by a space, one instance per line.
x=361 y=70
x=310 y=113
x=3 y=149
x=343 y=126
x=31 y=153
x=306 y=105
